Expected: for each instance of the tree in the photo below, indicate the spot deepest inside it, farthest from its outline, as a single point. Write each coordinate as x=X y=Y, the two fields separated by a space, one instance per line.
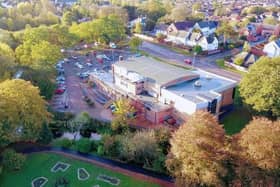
x=260 y=143
x=7 y=61
x=45 y=136
x=22 y=111
x=271 y=21
x=12 y=160
x=226 y=30
x=197 y=49
x=134 y=43
x=124 y=110
x=78 y=122
x=196 y=7
x=246 y=47
x=198 y=151
x=260 y=87
x=238 y=61
x=67 y=18
x=180 y=13
x=272 y=38
x=138 y=28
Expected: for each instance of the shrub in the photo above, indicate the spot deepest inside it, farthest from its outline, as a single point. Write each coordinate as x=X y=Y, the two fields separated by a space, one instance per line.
x=159 y=164
x=110 y=145
x=64 y=142
x=12 y=160
x=94 y=145
x=141 y=147
x=100 y=150
x=83 y=145
x=162 y=135
x=238 y=61
x=1 y=169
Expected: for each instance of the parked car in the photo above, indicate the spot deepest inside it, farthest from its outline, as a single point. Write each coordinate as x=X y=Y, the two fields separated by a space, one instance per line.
x=60 y=82
x=74 y=57
x=89 y=64
x=188 y=61
x=77 y=64
x=59 y=91
x=60 y=78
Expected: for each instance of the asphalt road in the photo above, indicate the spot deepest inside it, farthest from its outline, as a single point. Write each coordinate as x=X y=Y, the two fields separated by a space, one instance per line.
x=204 y=63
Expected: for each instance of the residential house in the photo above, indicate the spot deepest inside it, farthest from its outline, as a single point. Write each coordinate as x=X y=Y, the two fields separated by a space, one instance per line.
x=248 y=58
x=206 y=27
x=179 y=31
x=207 y=43
x=272 y=49
x=141 y=20
x=161 y=29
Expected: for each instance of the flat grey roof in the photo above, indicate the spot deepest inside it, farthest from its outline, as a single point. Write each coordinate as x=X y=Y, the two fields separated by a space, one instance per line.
x=161 y=73
x=210 y=84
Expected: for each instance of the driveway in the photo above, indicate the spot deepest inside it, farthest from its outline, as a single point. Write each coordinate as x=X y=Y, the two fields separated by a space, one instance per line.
x=204 y=63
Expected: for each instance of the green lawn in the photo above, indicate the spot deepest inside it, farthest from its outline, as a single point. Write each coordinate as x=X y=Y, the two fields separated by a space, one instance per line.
x=235 y=121
x=40 y=164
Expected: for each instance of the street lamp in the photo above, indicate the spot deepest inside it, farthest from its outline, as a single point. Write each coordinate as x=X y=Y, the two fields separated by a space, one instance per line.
x=194 y=58
x=113 y=46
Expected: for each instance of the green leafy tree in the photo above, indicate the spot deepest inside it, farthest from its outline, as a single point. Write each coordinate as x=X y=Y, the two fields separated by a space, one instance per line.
x=180 y=13
x=260 y=87
x=12 y=160
x=246 y=47
x=272 y=38
x=138 y=28
x=197 y=49
x=67 y=18
x=238 y=61
x=124 y=109
x=7 y=61
x=227 y=31
x=134 y=43
x=79 y=122
x=198 y=151
x=45 y=136
x=22 y=111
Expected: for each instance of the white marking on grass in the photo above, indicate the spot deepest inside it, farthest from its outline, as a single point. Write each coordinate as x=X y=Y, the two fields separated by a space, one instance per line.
x=41 y=185
x=84 y=170
x=54 y=169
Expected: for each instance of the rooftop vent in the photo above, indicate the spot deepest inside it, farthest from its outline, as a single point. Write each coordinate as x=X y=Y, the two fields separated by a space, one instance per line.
x=197 y=84
x=208 y=77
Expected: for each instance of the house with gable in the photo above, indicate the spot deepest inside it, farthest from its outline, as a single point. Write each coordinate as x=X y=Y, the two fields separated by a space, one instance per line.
x=179 y=31
x=272 y=49
x=206 y=27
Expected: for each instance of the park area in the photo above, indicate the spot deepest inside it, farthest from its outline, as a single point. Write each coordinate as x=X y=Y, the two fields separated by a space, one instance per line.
x=53 y=170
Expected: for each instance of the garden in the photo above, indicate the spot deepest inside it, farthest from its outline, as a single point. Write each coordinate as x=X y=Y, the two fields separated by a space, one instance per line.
x=53 y=170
